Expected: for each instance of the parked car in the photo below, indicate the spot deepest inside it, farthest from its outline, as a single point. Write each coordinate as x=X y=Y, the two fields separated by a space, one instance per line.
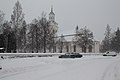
x=2 y=50
x=71 y=55
x=108 y=53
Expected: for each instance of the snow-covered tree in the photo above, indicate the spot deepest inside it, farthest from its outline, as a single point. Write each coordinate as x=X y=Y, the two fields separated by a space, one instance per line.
x=106 y=43
x=84 y=38
x=23 y=36
x=115 y=43
x=6 y=32
x=1 y=17
x=48 y=34
x=17 y=19
x=2 y=44
x=41 y=35
x=10 y=43
x=1 y=21
x=33 y=37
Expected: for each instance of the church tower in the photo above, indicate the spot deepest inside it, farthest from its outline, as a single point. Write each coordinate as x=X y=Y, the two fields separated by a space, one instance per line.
x=52 y=23
x=51 y=15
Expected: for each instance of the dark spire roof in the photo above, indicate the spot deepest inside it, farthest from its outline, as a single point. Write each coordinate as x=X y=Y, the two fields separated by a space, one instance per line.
x=52 y=11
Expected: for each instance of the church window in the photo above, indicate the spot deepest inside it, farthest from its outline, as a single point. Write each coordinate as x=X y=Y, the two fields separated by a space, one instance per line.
x=67 y=48
x=74 y=47
x=90 y=48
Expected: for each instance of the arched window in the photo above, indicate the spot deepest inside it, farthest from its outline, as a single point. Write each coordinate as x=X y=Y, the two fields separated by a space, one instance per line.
x=55 y=48
x=67 y=48
x=83 y=49
x=74 y=47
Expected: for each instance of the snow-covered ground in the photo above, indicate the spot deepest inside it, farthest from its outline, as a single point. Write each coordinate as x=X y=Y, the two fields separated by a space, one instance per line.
x=53 y=68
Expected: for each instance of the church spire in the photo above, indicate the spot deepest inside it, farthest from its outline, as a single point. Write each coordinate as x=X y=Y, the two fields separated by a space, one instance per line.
x=52 y=8
x=51 y=15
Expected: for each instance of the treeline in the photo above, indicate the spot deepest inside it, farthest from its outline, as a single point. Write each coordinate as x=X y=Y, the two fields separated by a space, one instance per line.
x=40 y=36
x=111 y=41
x=18 y=36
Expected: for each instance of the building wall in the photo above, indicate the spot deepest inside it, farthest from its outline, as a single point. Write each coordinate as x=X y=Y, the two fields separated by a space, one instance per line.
x=95 y=48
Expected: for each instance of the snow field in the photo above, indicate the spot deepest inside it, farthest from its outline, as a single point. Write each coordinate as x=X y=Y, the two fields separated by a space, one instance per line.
x=53 y=68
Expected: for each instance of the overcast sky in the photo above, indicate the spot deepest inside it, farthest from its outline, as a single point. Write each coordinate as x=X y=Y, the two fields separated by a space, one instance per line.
x=95 y=14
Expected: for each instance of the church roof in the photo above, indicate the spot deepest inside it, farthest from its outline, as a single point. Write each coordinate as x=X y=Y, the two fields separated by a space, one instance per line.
x=53 y=22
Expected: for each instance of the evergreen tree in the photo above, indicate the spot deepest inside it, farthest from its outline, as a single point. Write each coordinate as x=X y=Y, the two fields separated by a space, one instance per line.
x=84 y=38
x=115 y=43
x=106 y=43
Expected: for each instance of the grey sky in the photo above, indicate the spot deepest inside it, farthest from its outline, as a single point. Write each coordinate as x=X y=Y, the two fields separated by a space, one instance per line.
x=95 y=14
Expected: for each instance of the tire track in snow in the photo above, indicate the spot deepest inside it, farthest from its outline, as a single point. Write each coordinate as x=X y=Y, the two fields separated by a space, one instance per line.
x=112 y=72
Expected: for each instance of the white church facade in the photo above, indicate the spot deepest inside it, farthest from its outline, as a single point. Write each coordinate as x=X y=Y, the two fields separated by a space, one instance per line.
x=69 y=46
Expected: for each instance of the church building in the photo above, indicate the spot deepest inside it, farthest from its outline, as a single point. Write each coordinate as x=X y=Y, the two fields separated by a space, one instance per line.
x=68 y=46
